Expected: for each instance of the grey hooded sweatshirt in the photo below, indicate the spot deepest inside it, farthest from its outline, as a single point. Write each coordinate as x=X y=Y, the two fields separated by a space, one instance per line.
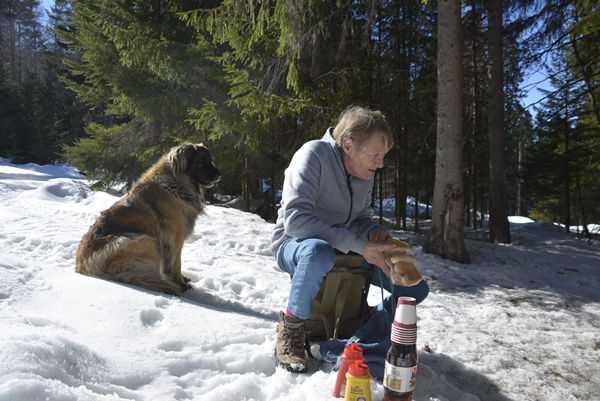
x=320 y=200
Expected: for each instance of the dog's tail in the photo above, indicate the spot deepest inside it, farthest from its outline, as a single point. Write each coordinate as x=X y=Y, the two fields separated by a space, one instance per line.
x=131 y=261
x=149 y=279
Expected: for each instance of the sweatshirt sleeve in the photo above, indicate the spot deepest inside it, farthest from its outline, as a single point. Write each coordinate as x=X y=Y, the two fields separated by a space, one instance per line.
x=365 y=226
x=300 y=190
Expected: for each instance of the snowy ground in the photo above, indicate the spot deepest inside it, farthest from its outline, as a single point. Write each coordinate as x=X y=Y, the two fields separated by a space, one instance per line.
x=521 y=322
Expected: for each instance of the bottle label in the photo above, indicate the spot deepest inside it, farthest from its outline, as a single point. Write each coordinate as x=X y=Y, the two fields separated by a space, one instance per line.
x=358 y=389
x=399 y=379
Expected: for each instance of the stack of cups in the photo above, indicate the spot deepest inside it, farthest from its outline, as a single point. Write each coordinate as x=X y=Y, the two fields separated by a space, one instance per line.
x=404 y=328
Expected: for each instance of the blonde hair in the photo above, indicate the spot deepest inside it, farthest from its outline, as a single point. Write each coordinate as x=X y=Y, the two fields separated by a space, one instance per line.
x=359 y=124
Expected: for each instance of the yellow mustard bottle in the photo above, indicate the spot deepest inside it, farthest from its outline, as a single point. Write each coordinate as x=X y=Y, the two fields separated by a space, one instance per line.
x=358 y=383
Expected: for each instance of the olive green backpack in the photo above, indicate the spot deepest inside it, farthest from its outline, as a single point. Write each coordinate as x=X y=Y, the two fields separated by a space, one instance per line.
x=341 y=304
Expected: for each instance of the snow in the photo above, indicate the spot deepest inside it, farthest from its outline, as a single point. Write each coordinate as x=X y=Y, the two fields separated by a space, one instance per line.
x=520 y=322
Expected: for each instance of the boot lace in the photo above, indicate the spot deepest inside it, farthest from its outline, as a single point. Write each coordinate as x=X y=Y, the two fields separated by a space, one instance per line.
x=294 y=340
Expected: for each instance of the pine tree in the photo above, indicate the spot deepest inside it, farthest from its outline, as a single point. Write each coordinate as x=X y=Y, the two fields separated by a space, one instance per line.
x=70 y=113
x=140 y=63
x=282 y=63
x=585 y=52
x=558 y=179
x=446 y=237
x=22 y=36
x=37 y=134
x=563 y=164
x=9 y=117
x=28 y=129
x=499 y=230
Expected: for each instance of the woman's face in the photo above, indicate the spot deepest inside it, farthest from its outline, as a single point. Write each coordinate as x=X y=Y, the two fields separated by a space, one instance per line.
x=363 y=164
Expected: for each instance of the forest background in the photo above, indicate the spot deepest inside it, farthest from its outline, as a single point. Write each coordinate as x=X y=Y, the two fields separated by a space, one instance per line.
x=109 y=86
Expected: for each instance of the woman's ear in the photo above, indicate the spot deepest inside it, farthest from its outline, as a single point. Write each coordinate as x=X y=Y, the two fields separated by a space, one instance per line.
x=346 y=145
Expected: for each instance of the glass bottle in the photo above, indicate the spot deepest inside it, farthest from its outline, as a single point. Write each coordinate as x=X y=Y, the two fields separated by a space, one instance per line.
x=400 y=373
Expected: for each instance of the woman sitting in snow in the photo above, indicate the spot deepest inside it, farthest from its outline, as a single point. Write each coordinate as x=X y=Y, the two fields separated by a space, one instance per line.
x=326 y=206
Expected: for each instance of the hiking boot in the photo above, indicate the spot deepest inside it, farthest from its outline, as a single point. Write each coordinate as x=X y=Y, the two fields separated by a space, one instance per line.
x=289 y=345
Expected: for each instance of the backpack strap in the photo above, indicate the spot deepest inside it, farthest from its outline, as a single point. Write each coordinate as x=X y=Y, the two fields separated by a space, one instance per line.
x=341 y=304
x=337 y=287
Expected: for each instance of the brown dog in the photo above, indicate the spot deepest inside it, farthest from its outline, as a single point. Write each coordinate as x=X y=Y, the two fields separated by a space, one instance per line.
x=139 y=239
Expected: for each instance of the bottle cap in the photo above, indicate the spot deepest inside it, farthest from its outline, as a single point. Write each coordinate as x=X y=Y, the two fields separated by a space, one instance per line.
x=358 y=369
x=353 y=351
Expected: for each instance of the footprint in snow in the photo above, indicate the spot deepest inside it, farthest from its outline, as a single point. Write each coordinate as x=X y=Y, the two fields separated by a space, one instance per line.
x=150 y=317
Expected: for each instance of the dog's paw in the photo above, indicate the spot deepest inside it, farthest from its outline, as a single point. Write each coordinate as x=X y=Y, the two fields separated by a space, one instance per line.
x=185 y=287
x=186 y=278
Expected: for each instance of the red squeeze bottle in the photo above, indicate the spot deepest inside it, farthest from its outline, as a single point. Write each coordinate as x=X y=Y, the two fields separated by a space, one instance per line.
x=352 y=353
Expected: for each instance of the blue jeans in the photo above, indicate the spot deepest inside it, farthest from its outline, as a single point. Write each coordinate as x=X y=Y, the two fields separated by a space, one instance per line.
x=309 y=260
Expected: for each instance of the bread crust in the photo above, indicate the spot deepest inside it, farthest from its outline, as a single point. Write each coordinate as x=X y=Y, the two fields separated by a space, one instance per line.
x=402 y=263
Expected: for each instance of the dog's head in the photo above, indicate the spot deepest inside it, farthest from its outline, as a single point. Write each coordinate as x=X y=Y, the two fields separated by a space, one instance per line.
x=195 y=161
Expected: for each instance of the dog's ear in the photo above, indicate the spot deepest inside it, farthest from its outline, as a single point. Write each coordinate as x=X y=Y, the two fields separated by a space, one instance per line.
x=179 y=157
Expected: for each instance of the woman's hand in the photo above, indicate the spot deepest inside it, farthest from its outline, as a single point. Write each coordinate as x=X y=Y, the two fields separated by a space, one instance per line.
x=380 y=236
x=374 y=254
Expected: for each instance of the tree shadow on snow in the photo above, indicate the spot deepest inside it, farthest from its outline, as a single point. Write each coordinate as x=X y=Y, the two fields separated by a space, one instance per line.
x=455 y=374
x=200 y=298
x=569 y=276
x=197 y=296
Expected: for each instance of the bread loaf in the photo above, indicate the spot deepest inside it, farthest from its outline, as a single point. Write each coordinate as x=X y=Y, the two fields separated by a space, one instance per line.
x=402 y=258
x=407 y=279
x=402 y=263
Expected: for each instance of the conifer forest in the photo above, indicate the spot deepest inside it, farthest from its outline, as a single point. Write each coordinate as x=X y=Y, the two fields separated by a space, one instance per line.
x=109 y=86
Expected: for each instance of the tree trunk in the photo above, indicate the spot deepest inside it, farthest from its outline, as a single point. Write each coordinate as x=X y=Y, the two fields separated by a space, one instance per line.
x=398 y=183
x=475 y=131
x=587 y=78
x=499 y=230
x=246 y=184
x=584 y=216
x=379 y=176
x=318 y=61
x=520 y=208
x=12 y=16
x=405 y=100
x=417 y=197
x=447 y=235
x=402 y=137
x=566 y=167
